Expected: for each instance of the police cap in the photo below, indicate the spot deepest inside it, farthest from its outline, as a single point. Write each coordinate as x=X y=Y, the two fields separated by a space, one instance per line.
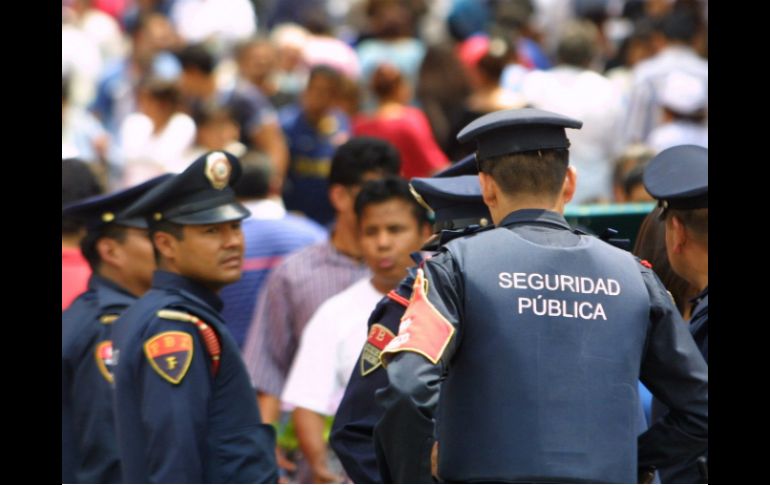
x=465 y=166
x=456 y=201
x=101 y=210
x=202 y=194
x=679 y=177
x=516 y=131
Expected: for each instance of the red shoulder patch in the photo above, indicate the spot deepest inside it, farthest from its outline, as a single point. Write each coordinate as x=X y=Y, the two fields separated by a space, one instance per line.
x=103 y=354
x=645 y=263
x=423 y=328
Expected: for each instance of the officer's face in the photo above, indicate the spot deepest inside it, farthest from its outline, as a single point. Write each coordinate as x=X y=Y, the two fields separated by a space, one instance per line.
x=389 y=232
x=211 y=254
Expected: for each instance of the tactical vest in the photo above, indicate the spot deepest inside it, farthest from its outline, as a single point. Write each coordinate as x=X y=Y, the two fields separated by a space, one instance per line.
x=543 y=386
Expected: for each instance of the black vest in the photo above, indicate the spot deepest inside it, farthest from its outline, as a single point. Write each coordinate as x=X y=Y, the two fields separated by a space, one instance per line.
x=543 y=386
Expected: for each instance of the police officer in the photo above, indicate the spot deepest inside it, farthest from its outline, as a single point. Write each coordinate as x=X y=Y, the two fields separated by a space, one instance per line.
x=539 y=335
x=120 y=256
x=459 y=210
x=184 y=406
x=678 y=178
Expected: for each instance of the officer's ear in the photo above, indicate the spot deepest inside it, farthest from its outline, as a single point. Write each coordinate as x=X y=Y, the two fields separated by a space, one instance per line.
x=488 y=190
x=166 y=244
x=109 y=251
x=676 y=234
x=570 y=184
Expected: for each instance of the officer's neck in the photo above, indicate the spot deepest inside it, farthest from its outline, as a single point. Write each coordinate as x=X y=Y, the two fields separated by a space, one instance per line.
x=507 y=205
x=133 y=285
x=345 y=237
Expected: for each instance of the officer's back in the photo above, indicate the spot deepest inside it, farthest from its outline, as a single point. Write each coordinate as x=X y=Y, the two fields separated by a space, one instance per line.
x=542 y=334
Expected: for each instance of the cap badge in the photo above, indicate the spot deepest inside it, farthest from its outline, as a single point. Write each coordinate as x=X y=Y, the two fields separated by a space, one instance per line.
x=218 y=170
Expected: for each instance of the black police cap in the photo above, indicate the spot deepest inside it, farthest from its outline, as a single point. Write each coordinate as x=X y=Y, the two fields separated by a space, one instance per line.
x=516 y=131
x=465 y=166
x=679 y=177
x=456 y=201
x=101 y=210
x=202 y=194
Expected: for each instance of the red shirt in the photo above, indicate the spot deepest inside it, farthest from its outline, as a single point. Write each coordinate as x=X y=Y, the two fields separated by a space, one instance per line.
x=74 y=275
x=410 y=133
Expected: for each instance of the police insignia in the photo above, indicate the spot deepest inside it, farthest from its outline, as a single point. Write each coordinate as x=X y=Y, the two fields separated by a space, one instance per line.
x=103 y=354
x=379 y=336
x=170 y=354
x=218 y=170
x=423 y=329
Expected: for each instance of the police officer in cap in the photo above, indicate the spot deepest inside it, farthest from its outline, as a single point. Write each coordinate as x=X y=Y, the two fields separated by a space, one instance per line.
x=536 y=336
x=678 y=178
x=184 y=406
x=120 y=256
x=459 y=210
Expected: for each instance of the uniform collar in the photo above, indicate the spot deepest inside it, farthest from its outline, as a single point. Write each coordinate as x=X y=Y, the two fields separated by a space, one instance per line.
x=110 y=295
x=541 y=216
x=175 y=282
x=700 y=298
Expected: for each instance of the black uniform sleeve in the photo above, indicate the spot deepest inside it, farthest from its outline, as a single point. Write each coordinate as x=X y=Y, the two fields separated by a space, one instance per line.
x=351 y=435
x=676 y=373
x=404 y=435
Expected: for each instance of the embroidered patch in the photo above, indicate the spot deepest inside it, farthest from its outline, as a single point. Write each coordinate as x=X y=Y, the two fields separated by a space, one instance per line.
x=379 y=336
x=103 y=354
x=423 y=329
x=170 y=354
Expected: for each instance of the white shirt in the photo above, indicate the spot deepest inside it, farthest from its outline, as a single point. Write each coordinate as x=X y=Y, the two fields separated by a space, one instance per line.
x=329 y=348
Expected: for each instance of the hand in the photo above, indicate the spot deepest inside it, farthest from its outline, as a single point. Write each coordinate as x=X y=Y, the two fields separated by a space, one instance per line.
x=434 y=460
x=284 y=464
x=324 y=475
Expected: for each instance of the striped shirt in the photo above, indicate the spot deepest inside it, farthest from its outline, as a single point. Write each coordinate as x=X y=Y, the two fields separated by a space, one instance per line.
x=292 y=293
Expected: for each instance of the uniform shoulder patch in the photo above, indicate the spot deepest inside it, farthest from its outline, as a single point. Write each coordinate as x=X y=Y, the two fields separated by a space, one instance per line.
x=423 y=329
x=379 y=336
x=170 y=354
x=103 y=355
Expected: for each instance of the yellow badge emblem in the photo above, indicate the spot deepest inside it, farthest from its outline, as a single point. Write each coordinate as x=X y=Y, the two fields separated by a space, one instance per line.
x=170 y=354
x=218 y=170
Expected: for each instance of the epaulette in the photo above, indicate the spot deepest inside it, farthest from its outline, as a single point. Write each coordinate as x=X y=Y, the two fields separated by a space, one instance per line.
x=209 y=336
x=108 y=318
x=447 y=235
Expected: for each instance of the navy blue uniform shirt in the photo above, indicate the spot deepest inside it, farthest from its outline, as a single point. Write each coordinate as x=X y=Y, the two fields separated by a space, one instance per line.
x=89 y=448
x=177 y=421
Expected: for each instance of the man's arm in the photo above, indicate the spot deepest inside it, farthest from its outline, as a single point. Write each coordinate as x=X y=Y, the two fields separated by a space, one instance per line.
x=417 y=360
x=676 y=373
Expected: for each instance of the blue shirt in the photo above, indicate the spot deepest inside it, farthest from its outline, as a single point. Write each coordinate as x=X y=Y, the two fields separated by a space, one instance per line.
x=310 y=150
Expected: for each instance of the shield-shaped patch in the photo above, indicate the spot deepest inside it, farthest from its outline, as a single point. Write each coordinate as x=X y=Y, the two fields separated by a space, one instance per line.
x=170 y=354
x=378 y=338
x=103 y=354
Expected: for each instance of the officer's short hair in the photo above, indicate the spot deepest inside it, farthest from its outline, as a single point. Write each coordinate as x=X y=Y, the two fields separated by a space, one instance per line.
x=88 y=243
x=360 y=156
x=176 y=230
x=538 y=172
x=327 y=71
x=383 y=190
x=695 y=220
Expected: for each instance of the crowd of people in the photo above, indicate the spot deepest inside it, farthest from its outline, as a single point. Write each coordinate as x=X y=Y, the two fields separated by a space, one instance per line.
x=323 y=241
